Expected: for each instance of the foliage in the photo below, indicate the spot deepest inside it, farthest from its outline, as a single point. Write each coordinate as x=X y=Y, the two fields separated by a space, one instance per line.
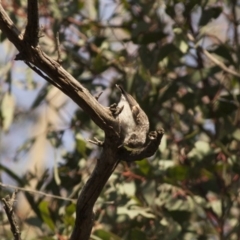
x=155 y=49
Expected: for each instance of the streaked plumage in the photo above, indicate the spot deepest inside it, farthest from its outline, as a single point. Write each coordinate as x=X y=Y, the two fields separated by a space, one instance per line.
x=133 y=121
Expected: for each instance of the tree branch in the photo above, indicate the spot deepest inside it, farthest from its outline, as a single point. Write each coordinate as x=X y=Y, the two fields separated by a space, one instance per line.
x=63 y=80
x=31 y=34
x=104 y=168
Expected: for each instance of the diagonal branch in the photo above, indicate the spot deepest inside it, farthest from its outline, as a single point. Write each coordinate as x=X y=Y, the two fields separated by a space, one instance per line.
x=10 y=30
x=219 y=63
x=63 y=80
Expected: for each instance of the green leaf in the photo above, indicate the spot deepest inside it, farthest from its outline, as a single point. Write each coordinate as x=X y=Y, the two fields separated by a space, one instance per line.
x=70 y=209
x=189 y=6
x=178 y=173
x=180 y=216
x=128 y=188
x=144 y=166
x=46 y=238
x=224 y=107
x=41 y=95
x=68 y=216
x=217 y=207
x=34 y=221
x=163 y=146
x=236 y=134
x=166 y=50
x=134 y=211
x=137 y=234
x=200 y=150
x=149 y=37
x=106 y=235
x=81 y=144
x=170 y=91
x=224 y=51
x=148 y=190
x=12 y=174
x=25 y=147
x=99 y=64
x=55 y=169
x=170 y=10
x=208 y=14
x=146 y=56
x=7 y=110
x=45 y=214
x=183 y=46
x=198 y=76
x=55 y=10
x=165 y=164
x=55 y=138
x=92 y=9
x=99 y=40
x=189 y=100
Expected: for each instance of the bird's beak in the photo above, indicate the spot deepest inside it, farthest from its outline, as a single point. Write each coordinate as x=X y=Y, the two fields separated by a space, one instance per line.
x=120 y=88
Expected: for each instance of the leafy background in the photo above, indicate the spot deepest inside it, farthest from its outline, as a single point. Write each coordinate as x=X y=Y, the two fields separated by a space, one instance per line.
x=180 y=60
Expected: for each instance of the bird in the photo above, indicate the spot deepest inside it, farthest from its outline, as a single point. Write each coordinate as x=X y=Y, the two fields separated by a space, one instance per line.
x=134 y=123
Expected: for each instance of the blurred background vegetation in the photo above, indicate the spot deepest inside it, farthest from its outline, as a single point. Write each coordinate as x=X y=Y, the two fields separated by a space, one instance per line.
x=180 y=60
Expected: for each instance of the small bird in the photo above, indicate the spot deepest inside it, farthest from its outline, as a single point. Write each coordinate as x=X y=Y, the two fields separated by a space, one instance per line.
x=133 y=121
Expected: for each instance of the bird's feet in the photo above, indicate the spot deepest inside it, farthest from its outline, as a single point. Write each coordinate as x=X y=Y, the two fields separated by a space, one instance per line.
x=115 y=110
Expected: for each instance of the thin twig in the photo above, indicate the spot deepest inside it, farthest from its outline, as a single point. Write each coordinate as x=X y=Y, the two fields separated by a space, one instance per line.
x=98 y=95
x=8 y=203
x=219 y=63
x=59 y=59
x=37 y=192
x=96 y=142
